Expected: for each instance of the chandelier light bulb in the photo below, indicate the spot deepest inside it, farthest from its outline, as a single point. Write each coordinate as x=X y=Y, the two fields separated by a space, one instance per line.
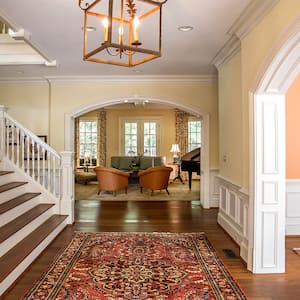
x=105 y=25
x=136 y=23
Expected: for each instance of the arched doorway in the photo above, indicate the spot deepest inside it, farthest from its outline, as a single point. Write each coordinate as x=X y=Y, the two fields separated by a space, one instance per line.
x=205 y=157
x=267 y=155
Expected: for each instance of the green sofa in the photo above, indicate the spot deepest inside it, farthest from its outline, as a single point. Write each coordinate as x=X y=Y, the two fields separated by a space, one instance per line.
x=128 y=163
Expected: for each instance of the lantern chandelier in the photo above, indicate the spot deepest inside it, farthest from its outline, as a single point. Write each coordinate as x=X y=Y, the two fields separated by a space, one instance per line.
x=115 y=31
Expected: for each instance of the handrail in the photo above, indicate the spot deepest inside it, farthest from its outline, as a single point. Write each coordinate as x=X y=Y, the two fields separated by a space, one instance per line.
x=28 y=152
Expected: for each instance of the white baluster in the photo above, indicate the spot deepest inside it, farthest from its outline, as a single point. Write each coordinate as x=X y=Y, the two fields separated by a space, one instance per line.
x=22 y=148
x=27 y=152
x=18 y=145
x=49 y=172
x=38 y=162
x=54 y=175
x=44 y=167
x=12 y=128
x=32 y=159
x=2 y=132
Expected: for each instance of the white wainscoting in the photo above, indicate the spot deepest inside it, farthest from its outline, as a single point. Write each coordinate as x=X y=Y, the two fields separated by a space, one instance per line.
x=233 y=213
x=292 y=207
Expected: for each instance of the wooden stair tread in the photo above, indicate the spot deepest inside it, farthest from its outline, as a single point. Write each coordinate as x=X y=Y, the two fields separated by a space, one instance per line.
x=5 y=172
x=15 y=225
x=11 y=185
x=12 y=203
x=10 y=260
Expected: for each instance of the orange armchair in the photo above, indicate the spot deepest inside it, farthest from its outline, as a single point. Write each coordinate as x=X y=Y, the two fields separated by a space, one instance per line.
x=111 y=179
x=155 y=178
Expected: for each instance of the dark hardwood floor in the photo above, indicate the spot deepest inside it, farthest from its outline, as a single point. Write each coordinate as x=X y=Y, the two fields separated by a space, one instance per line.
x=168 y=216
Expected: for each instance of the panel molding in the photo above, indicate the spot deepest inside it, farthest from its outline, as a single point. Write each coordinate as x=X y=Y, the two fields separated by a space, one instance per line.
x=292 y=207
x=233 y=213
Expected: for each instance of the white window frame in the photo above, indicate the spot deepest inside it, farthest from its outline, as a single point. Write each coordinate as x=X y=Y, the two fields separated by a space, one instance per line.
x=140 y=135
x=87 y=120
x=200 y=134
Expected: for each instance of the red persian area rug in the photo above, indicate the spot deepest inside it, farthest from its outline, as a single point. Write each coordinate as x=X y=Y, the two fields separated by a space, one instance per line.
x=137 y=266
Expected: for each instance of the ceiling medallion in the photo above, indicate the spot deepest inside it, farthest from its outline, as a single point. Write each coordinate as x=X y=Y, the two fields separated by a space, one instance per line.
x=131 y=31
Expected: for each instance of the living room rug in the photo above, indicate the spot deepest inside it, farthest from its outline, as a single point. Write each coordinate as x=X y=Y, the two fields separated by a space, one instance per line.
x=177 y=190
x=137 y=266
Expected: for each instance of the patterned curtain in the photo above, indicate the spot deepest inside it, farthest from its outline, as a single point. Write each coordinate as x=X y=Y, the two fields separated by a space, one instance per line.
x=181 y=130
x=101 y=152
x=76 y=143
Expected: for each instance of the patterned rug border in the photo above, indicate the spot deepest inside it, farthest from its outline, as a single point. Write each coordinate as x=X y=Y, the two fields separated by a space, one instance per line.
x=87 y=234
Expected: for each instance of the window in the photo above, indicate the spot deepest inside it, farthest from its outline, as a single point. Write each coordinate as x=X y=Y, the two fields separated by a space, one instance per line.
x=140 y=137
x=194 y=134
x=88 y=141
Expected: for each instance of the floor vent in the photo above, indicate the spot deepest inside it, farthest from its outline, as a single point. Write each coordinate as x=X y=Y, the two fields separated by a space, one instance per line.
x=229 y=253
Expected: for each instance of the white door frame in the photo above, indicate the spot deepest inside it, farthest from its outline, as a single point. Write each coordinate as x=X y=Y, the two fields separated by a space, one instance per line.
x=267 y=154
x=205 y=157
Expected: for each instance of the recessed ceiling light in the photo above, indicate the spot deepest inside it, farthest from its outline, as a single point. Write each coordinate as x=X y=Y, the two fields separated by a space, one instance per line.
x=20 y=72
x=185 y=28
x=137 y=71
x=125 y=101
x=90 y=28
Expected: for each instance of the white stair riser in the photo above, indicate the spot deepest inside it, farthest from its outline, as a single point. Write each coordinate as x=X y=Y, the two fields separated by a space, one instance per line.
x=10 y=194
x=7 y=178
x=19 y=235
x=18 y=210
x=11 y=278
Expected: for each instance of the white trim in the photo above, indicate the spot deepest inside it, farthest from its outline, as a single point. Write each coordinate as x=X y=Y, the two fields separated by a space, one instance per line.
x=214 y=188
x=132 y=79
x=233 y=213
x=278 y=72
x=231 y=47
x=253 y=14
x=205 y=158
x=292 y=207
x=137 y=79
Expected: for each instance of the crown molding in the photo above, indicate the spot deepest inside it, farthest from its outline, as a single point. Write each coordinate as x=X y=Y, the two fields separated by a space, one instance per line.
x=231 y=47
x=22 y=81
x=252 y=14
x=136 y=79
x=132 y=79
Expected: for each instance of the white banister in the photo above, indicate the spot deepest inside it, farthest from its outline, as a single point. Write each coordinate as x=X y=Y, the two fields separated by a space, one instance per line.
x=51 y=170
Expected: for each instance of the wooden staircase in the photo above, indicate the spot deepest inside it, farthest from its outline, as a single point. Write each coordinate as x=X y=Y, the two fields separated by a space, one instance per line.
x=28 y=223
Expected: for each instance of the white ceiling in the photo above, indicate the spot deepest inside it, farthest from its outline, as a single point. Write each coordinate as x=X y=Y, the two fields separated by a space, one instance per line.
x=55 y=28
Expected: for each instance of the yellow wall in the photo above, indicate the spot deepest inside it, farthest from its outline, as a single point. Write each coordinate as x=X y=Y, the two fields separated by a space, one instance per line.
x=69 y=98
x=29 y=105
x=256 y=47
x=292 y=130
x=230 y=107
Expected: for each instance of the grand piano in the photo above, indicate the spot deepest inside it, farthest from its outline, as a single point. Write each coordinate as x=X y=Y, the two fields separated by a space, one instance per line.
x=190 y=162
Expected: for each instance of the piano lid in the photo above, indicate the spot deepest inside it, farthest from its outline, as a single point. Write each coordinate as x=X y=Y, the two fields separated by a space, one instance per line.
x=192 y=155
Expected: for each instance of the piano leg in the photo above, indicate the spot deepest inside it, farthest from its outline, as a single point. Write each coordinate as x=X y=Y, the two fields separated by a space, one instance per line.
x=190 y=179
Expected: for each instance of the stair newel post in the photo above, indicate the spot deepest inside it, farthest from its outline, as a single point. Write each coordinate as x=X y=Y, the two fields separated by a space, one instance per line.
x=67 y=185
x=2 y=131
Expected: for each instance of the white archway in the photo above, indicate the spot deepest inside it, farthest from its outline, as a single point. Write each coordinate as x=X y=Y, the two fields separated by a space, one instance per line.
x=267 y=154
x=205 y=149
